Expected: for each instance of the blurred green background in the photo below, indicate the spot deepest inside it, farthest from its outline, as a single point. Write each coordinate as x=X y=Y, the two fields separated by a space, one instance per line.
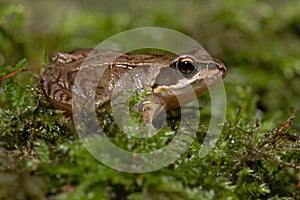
x=259 y=41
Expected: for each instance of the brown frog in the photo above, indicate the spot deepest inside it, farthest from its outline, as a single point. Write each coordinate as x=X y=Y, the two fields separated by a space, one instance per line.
x=166 y=77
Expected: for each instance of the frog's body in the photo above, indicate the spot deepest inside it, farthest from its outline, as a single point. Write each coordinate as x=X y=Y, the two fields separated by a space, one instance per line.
x=165 y=76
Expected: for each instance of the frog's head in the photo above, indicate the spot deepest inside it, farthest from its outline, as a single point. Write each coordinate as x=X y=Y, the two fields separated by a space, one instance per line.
x=196 y=69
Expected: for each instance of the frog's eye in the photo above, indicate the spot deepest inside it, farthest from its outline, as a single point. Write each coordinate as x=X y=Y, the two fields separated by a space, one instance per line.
x=186 y=65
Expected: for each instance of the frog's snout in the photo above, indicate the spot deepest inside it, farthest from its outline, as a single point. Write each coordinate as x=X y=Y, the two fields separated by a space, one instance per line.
x=221 y=66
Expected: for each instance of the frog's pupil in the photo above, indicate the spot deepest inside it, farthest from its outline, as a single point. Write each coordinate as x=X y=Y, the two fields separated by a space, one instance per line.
x=186 y=67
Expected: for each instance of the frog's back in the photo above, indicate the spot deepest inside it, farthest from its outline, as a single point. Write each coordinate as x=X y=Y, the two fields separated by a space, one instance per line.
x=58 y=78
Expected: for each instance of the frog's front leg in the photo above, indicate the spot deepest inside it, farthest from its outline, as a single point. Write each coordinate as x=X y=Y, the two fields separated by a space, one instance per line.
x=154 y=113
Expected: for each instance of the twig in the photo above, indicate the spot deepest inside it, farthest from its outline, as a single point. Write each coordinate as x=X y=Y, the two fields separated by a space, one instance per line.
x=16 y=72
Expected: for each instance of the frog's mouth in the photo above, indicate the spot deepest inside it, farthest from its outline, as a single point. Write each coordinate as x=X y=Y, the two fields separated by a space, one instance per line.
x=198 y=83
x=187 y=89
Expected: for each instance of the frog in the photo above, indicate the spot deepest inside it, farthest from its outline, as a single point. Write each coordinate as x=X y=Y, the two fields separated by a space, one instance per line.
x=165 y=77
